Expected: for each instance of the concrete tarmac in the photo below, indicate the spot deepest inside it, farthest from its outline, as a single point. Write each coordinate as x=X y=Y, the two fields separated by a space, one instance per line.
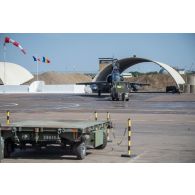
x=163 y=125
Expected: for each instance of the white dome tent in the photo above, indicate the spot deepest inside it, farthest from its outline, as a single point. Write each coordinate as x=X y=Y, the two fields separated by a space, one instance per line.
x=14 y=74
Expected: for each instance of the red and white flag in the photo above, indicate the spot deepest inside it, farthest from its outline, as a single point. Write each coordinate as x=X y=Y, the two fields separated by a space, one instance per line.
x=8 y=40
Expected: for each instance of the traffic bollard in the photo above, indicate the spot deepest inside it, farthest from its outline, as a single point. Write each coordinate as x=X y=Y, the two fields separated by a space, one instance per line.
x=96 y=115
x=8 y=117
x=129 y=140
x=108 y=129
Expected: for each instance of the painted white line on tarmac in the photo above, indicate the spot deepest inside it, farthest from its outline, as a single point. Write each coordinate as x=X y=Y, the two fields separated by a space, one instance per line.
x=138 y=156
x=139 y=120
x=165 y=120
x=133 y=120
x=8 y=105
x=156 y=121
x=65 y=107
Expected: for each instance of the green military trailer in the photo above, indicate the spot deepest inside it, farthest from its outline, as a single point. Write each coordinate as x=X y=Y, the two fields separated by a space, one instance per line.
x=76 y=135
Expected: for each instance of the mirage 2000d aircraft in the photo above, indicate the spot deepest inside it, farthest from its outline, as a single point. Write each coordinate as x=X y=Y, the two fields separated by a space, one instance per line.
x=114 y=84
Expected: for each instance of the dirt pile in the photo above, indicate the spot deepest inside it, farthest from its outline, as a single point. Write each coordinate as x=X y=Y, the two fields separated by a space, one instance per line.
x=156 y=81
x=52 y=78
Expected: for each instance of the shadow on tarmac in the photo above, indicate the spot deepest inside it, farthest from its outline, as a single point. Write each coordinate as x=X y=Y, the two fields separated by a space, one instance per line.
x=49 y=153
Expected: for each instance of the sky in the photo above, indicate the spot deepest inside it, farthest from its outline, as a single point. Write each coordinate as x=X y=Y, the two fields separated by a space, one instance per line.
x=79 y=52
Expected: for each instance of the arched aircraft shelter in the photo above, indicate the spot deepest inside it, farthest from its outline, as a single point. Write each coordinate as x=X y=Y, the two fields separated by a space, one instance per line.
x=128 y=62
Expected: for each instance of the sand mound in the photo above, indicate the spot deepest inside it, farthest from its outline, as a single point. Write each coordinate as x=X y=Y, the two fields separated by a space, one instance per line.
x=52 y=78
x=156 y=81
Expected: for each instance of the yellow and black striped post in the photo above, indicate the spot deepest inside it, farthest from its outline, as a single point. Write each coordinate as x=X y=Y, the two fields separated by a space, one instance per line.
x=129 y=140
x=96 y=116
x=7 y=119
x=1 y=145
x=108 y=129
x=108 y=116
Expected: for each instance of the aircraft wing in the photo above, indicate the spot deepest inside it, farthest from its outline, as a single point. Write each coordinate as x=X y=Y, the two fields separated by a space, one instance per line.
x=141 y=84
x=106 y=83
x=93 y=83
x=98 y=86
x=135 y=85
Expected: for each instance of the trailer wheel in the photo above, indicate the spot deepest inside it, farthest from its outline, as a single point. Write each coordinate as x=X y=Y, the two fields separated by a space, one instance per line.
x=104 y=142
x=8 y=148
x=80 y=150
x=123 y=97
x=117 y=96
x=2 y=148
x=127 y=99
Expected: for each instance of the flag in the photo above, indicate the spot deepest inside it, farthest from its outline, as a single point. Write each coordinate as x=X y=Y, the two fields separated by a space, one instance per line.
x=15 y=43
x=45 y=60
x=36 y=59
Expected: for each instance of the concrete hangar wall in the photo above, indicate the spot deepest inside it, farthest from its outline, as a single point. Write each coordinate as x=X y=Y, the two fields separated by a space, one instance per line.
x=106 y=68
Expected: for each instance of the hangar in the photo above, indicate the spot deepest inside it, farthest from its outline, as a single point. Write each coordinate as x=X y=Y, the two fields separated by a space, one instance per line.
x=128 y=62
x=13 y=74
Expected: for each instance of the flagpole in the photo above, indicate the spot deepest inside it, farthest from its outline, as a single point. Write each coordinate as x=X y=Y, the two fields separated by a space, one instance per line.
x=4 y=57
x=37 y=68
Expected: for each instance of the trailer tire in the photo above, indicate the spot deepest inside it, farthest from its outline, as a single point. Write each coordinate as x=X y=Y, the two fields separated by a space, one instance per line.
x=117 y=96
x=2 y=148
x=123 y=97
x=8 y=148
x=101 y=147
x=80 y=150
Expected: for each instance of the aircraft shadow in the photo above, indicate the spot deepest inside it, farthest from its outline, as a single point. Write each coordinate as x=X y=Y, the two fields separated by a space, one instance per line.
x=93 y=96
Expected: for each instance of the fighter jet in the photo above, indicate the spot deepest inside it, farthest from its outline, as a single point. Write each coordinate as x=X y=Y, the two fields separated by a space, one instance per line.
x=114 y=84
